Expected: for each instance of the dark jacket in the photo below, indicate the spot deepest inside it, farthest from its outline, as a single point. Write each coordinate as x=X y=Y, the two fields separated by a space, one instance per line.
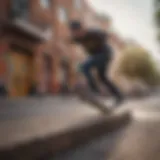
x=94 y=41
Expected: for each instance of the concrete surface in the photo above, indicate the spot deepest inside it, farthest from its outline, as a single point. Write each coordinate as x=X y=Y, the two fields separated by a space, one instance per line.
x=140 y=140
x=26 y=119
x=29 y=128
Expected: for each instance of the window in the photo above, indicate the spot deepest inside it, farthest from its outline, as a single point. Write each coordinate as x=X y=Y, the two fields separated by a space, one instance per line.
x=45 y=3
x=78 y=4
x=19 y=8
x=62 y=14
x=48 y=34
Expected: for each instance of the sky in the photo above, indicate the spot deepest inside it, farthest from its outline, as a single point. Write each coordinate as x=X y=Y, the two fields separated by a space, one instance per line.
x=132 y=19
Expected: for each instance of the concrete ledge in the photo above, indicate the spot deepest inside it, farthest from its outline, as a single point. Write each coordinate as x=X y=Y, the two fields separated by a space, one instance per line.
x=71 y=137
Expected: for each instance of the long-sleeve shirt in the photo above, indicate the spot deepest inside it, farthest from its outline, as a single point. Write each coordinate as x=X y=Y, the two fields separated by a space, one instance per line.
x=94 y=42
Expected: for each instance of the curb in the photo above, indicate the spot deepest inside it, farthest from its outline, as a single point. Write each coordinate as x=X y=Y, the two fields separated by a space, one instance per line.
x=72 y=137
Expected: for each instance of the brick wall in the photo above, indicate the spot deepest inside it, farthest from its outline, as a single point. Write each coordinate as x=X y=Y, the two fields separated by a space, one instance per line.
x=4 y=5
x=56 y=16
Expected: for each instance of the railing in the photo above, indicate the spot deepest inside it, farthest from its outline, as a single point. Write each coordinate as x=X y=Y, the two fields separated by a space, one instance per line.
x=19 y=16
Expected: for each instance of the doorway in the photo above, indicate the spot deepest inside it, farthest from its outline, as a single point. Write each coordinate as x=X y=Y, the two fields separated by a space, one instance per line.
x=19 y=73
x=48 y=72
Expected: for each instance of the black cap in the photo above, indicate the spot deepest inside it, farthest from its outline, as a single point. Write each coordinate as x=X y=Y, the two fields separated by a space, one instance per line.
x=74 y=25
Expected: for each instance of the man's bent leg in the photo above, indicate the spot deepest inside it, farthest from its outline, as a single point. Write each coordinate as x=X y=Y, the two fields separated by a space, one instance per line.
x=111 y=86
x=86 y=69
x=102 y=62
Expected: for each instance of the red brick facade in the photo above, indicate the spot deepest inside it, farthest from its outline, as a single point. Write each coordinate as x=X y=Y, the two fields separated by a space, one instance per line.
x=46 y=51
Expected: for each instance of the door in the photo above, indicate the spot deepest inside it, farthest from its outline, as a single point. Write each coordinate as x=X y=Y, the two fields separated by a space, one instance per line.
x=3 y=72
x=20 y=76
x=48 y=72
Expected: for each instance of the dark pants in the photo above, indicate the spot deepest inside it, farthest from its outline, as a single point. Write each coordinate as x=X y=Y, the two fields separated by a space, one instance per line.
x=101 y=63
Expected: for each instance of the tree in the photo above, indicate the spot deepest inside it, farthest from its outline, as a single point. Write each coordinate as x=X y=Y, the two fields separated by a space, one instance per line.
x=136 y=62
x=157 y=17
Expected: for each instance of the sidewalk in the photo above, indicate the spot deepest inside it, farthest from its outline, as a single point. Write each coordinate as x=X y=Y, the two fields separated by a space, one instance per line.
x=33 y=127
x=139 y=140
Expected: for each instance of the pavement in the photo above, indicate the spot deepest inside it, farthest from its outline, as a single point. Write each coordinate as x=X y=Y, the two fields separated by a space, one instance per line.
x=23 y=118
x=139 y=140
x=32 y=127
x=37 y=120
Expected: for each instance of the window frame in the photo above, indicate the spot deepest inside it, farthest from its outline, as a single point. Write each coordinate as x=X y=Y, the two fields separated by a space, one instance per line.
x=78 y=4
x=45 y=4
x=63 y=16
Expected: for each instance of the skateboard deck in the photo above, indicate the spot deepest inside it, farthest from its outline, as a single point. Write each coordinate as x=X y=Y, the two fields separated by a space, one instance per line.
x=94 y=101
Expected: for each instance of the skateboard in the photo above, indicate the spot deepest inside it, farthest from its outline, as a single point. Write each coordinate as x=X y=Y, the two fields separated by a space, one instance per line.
x=89 y=97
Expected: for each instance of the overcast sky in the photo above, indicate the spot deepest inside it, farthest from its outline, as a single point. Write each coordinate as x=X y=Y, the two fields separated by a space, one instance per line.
x=132 y=18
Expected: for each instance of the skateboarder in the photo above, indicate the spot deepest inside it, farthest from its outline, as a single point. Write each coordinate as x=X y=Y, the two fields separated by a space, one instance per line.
x=95 y=43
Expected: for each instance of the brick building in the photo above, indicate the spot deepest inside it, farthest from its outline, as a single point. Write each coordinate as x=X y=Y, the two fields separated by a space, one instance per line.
x=33 y=44
x=32 y=36
x=26 y=29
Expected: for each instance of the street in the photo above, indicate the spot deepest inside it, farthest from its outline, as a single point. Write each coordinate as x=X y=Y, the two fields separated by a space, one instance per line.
x=138 y=141
x=25 y=119
x=33 y=118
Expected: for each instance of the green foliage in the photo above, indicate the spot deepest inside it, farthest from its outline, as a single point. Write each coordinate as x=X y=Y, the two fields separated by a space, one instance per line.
x=158 y=36
x=136 y=62
x=157 y=17
x=157 y=3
